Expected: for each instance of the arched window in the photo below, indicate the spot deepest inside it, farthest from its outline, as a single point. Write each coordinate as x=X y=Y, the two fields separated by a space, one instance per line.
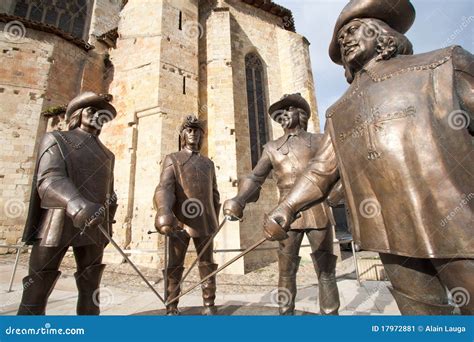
x=256 y=105
x=70 y=16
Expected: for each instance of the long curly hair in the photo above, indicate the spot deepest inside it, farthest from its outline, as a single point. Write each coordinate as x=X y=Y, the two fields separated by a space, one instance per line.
x=304 y=118
x=75 y=120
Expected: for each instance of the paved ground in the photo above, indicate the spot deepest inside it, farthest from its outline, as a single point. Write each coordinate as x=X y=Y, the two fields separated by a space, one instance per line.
x=123 y=293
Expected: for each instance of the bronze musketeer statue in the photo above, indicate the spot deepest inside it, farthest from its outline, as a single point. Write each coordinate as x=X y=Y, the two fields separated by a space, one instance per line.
x=288 y=157
x=395 y=141
x=187 y=202
x=72 y=193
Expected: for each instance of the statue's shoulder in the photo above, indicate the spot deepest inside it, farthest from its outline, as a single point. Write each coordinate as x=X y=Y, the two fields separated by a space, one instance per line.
x=172 y=158
x=402 y=64
x=463 y=60
x=48 y=140
x=273 y=145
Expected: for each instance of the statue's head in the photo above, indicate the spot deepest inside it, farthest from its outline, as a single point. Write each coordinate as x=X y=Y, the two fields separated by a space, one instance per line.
x=371 y=30
x=291 y=111
x=362 y=40
x=89 y=110
x=192 y=133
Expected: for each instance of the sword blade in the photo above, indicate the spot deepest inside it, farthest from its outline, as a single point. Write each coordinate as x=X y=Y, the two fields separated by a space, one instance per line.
x=206 y=246
x=248 y=250
x=117 y=247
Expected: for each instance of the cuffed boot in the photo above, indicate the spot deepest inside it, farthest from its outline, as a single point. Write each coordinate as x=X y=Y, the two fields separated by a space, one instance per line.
x=409 y=305
x=325 y=266
x=88 y=284
x=36 y=290
x=288 y=268
x=174 y=275
x=208 y=288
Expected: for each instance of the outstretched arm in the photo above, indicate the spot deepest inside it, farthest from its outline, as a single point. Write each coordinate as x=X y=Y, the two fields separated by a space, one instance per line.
x=249 y=188
x=311 y=188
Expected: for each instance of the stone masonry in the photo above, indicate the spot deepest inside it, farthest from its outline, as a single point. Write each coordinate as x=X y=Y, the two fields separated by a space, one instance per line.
x=171 y=58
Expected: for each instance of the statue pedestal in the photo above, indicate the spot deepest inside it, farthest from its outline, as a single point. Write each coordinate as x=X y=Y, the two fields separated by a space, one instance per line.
x=226 y=310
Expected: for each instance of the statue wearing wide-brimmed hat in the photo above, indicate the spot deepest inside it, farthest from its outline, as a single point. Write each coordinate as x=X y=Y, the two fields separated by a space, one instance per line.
x=400 y=139
x=72 y=193
x=288 y=157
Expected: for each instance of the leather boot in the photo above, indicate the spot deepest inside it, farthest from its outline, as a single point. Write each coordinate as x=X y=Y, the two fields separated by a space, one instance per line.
x=88 y=283
x=173 y=289
x=36 y=290
x=408 y=305
x=325 y=266
x=208 y=288
x=288 y=268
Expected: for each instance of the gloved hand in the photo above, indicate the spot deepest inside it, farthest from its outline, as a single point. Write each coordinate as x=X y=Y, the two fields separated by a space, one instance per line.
x=84 y=212
x=166 y=224
x=233 y=210
x=277 y=222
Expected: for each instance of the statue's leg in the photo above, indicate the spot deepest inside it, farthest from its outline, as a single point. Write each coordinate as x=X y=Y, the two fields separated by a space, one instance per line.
x=206 y=267
x=288 y=263
x=178 y=245
x=42 y=276
x=458 y=276
x=416 y=286
x=88 y=277
x=324 y=262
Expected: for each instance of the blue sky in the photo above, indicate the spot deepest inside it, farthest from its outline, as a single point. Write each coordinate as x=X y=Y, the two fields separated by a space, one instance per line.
x=438 y=23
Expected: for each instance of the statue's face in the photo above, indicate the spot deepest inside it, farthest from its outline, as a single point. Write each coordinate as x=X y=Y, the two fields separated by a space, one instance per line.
x=88 y=116
x=290 y=117
x=192 y=137
x=358 y=42
x=93 y=118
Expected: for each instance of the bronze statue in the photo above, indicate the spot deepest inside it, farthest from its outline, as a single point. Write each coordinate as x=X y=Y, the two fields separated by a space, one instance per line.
x=400 y=141
x=72 y=193
x=287 y=157
x=187 y=202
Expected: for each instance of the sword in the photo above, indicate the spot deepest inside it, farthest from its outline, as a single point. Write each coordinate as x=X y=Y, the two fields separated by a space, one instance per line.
x=270 y=226
x=165 y=273
x=117 y=247
x=206 y=246
x=248 y=250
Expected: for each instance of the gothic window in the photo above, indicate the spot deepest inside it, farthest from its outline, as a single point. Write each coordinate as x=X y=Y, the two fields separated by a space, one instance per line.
x=256 y=105
x=70 y=16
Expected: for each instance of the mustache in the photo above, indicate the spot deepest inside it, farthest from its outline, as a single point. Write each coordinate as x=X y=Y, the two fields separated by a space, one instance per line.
x=349 y=47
